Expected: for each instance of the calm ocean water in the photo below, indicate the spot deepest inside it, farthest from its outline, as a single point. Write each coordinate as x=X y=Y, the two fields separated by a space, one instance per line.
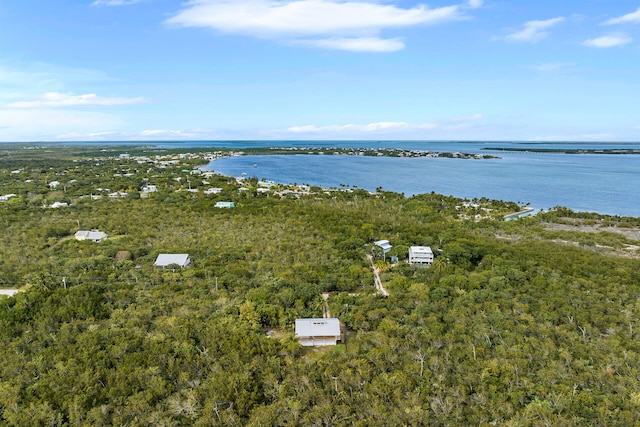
x=608 y=184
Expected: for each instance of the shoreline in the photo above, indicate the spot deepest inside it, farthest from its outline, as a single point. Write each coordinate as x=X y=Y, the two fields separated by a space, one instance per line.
x=463 y=182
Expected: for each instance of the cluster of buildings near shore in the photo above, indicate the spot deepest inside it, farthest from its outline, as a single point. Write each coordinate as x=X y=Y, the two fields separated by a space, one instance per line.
x=382 y=152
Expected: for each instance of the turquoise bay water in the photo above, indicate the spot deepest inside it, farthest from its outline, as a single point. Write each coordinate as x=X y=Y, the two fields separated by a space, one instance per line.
x=601 y=183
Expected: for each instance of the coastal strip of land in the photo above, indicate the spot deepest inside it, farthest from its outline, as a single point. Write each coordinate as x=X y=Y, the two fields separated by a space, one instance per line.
x=370 y=152
x=567 y=150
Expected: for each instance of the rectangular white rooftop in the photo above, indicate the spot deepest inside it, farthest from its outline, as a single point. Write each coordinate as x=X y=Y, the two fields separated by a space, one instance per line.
x=420 y=255
x=318 y=327
x=421 y=250
x=165 y=260
x=9 y=292
x=384 y=244
x=96 y=236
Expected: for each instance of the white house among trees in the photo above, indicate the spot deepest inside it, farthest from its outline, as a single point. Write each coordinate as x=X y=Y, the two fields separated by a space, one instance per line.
x=316 y=332
x=225 y=205
x=165 y=260
x=96 y=236
x=420 y=255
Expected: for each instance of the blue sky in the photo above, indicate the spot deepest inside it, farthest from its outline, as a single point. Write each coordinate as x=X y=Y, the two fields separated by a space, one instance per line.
x=319 y=69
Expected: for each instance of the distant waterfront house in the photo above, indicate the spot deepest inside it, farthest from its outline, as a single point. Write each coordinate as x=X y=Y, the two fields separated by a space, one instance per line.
x=214 y=190
x=317 y=332
x=165 y=260
x=94 y=236
x=266 y=184
x=7 y=197
x=58 y=205
x=54 y=184
x=225 y=205
x=420 y=256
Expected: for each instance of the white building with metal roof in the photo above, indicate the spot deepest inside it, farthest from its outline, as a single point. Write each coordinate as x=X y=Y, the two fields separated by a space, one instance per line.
x=420 y=255
x=95 y=236
x=384 y=244
x=225 y=205
x=165 y=260
x=317 y=332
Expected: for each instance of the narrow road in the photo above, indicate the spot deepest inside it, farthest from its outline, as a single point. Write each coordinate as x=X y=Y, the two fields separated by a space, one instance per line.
x=376 y=278
x=326 y=313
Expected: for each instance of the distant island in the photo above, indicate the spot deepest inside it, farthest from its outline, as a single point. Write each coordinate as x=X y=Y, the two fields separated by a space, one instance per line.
x=567 y=150
x=370 y=152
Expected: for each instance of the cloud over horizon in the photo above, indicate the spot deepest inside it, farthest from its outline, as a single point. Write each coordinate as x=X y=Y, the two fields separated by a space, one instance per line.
x=370 y=128
x=57 y=99
x=328 y=24
x=144 y=135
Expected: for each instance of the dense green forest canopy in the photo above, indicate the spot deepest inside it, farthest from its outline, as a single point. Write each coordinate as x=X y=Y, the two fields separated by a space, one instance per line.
x=526 y=322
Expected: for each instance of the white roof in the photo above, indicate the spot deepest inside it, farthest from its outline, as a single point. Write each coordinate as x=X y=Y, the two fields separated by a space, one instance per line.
x=384 y=244
x=9 y=292
x=420 y=250
x=164 y=260
x=317 y=327
x=91 y=235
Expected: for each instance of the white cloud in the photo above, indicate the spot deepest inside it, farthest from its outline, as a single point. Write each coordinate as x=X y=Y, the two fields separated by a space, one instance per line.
x=361 y=44
x=57 y=99
x=27 y=81
x=608 y=41
x=578 y=137
x=633 y=17
x=384 y=128
x=42 y=124
x=113 y=2
x=163 y=133
x=471 y=118
x=552 y=66
x=330 y=24
x=371 y=128
x=145 y=135
x=533 y=31
x=36 y=102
